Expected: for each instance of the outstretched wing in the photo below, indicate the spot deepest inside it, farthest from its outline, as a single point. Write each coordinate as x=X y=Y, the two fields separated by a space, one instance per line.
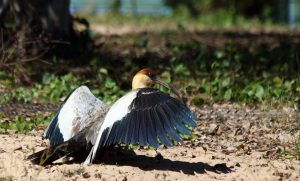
x=146 y=116
x=79 y=109
x=78 y=146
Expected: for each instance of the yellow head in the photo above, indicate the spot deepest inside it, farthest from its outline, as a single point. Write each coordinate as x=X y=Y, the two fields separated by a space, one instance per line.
x=144 y=78
x=147 y=78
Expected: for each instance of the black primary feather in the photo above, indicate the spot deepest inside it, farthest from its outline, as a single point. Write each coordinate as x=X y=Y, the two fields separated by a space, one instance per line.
x=154 y=117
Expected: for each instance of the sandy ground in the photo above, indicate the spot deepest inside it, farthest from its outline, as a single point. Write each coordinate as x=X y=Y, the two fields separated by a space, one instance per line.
x=230 y=143
x=179 y=163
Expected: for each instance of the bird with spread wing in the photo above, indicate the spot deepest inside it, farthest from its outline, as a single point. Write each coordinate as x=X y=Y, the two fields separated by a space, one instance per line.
x=84 y=126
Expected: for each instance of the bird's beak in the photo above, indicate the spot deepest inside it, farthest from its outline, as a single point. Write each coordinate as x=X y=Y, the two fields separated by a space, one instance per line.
x=161 y=82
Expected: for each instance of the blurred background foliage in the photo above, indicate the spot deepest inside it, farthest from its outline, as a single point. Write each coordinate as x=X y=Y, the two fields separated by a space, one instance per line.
x=271 y=11
x=248 y=8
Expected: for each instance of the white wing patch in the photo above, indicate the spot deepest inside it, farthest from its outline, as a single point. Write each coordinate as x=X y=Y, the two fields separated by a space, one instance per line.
x=118 y=110
x=76 y=110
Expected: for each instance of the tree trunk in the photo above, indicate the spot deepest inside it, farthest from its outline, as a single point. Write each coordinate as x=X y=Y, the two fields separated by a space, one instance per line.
x=51 y=17
x=37 y=29
x=116 y=6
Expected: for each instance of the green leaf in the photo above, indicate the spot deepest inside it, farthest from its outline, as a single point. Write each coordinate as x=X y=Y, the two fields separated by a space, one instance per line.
x=259 y=92
x=182 y=70
x=277 y=92
x=228 y=95
x=166 y=76
x=219 y=54
x=277 y=81
x=226 y=82
x=47 y=78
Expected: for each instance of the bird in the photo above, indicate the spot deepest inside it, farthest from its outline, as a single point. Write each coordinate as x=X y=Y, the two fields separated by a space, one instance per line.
x=84 y=126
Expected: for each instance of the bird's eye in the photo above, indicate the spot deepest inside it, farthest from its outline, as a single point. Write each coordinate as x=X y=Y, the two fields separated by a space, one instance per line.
x=150 y=74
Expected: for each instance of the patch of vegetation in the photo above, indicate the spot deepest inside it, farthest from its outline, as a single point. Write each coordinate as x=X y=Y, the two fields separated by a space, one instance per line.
x=221 y=86
x=107 y=89
x=236 y=74
x=51 y=89
x=54 y=88
x=21 y=124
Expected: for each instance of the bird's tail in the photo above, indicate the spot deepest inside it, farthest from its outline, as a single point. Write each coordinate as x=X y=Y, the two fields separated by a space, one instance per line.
x=48 y=155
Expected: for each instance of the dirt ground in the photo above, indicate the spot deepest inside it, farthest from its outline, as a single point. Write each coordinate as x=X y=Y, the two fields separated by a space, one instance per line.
x=231 y=142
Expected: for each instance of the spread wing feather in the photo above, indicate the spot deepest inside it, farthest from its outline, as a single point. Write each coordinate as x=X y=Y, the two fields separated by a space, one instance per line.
x=78 y=146
x=146 y=116
x=160 y=131
x=74 y=127
x=77 y=111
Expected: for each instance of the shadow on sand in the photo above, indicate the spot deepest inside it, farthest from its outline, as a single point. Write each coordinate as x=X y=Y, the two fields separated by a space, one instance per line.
x=125 y=157
x=129 y=158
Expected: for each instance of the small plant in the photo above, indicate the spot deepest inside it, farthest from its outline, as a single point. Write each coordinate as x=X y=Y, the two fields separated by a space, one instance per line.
x=22 y=124
x=51 y=89
x=109 y=91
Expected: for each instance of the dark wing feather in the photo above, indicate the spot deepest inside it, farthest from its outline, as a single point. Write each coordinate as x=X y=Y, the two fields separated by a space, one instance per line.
x=142 y=129
x=176 y=120
x=151 y=134
x=113 y=133
x=129 y=130
x=160 y=130
x=181 y=114
x=154 y=118
x=135 y=128
x=168 y=126
x=52 y=132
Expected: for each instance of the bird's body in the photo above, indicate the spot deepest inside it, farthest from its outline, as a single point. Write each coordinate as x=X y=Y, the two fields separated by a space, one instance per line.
x=144 y=116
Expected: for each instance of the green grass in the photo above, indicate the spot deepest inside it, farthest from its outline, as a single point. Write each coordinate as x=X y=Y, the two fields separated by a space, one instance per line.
x=21 y=124
x=52 y=88
x=252 y=75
